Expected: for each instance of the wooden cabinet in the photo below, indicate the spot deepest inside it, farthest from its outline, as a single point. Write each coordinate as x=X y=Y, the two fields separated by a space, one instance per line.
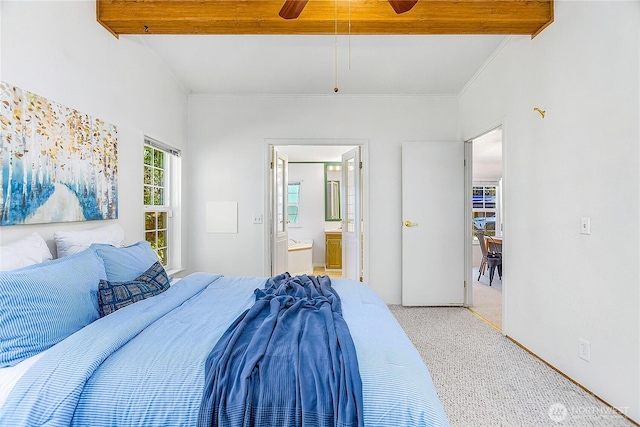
x=333 y=250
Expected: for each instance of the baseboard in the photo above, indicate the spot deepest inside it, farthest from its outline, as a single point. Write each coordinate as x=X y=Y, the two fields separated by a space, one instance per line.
x=483 y=319
x=614 y=408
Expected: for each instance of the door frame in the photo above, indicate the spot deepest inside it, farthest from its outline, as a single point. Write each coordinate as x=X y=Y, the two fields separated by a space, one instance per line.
x=502 y=122
x=267 y=209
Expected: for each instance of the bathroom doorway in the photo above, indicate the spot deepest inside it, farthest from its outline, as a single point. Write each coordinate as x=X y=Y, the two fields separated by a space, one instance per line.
x=316 y=202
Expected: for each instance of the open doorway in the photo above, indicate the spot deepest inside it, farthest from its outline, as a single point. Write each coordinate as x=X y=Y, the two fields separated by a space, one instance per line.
x=487 y=214
x=315 y=215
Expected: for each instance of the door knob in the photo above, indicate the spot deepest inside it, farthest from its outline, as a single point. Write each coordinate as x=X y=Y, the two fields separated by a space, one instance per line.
x=410 y=224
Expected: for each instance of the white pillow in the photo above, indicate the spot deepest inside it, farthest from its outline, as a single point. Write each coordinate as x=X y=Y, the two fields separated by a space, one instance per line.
x=72 y=242
x=27 y=251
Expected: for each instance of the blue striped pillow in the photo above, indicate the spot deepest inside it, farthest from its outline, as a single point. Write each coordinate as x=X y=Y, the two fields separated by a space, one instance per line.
x=125 y=263
x=41 y=305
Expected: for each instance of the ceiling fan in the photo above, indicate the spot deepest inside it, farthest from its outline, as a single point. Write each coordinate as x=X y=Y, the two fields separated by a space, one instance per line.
x=291 y=9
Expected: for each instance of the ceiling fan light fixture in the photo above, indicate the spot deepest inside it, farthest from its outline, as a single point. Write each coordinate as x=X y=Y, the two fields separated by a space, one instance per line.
x=402 y=6
x=291 y=9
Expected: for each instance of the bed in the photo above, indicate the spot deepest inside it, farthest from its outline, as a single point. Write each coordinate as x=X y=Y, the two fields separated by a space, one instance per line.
x=72 y=356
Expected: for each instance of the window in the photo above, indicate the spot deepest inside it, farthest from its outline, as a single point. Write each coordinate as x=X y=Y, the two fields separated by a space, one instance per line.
x=485 y=208
x=160 y=195
x=293 y=201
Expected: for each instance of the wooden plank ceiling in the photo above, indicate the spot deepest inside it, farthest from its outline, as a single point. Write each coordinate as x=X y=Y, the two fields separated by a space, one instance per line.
x=322 y=16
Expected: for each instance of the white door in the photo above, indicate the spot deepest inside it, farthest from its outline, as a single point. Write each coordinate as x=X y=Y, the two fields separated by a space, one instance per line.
x=433 y=231
x=279 y=217
x=351 y=215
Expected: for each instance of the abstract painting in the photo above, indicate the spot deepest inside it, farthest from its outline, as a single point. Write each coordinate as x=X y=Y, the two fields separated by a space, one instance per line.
x=56 y=164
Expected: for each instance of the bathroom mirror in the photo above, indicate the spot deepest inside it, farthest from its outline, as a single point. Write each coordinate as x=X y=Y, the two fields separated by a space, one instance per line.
x=332 y=176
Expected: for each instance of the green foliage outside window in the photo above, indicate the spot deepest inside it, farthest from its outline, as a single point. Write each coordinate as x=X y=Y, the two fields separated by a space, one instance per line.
x=155 y=221
x=154 y=176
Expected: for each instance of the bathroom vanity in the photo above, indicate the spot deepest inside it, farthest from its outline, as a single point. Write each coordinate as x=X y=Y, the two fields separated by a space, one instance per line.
x=333 y=250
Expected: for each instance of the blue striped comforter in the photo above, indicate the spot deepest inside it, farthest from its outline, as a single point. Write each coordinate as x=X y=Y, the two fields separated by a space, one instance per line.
x=144 y=364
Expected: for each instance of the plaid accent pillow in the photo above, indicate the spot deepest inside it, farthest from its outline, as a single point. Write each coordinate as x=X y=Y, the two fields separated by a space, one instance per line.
x=113 y=296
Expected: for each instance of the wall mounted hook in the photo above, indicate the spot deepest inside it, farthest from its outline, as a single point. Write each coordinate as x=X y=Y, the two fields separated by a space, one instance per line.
x=542 y=112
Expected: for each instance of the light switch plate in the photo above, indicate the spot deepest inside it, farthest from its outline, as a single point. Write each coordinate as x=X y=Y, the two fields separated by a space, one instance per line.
x=585 y=226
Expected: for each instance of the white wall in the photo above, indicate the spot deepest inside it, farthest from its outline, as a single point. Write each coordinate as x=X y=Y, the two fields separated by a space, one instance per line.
x=56 y=49
x=311 y=207
x=581 y=160
x=228 y=134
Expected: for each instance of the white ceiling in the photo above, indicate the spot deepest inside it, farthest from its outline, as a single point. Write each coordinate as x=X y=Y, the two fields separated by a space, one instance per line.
x=305 y=65
x=386 y=65
x=487 y=156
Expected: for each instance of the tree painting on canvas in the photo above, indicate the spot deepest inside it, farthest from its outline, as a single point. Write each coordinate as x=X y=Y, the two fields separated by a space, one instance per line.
x=56 y=164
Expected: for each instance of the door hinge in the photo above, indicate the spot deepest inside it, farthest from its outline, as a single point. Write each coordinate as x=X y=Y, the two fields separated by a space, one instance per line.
x=465 y=284
x=360 y=165
x=271 y=165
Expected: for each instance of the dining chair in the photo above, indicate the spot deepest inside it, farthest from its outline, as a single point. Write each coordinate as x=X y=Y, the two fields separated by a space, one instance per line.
x=491 y=256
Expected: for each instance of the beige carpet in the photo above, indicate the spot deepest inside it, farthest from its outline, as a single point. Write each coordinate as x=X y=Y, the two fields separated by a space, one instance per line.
x=487 y=300
x=484 y=379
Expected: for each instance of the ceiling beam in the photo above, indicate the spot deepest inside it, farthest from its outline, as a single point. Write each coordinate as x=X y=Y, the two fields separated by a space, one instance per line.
x=358 y=17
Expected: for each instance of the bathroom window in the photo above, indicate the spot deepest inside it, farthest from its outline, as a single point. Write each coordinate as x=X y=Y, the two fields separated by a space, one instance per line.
x=293 y=207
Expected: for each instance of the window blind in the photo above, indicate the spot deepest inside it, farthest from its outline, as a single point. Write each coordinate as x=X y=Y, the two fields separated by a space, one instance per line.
x=161 y=146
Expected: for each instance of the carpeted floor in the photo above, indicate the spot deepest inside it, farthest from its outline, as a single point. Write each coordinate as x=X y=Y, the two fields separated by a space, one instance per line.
x=487 y=300
x=484 y=379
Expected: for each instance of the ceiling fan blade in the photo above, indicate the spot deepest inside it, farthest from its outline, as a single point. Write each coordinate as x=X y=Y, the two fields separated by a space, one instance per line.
x=291 y=8
x=402 y=6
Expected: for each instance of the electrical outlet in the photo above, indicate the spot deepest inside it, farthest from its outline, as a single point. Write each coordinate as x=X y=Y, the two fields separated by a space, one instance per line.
x=257 y=218
x=584 y=350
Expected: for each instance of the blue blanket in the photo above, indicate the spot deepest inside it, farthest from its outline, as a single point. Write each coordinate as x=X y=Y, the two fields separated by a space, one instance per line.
x=288 y=360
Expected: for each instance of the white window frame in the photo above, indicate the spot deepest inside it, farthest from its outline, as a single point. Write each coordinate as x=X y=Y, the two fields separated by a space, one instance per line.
x=497 y=210
x=172 y=200
x=297 y=205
